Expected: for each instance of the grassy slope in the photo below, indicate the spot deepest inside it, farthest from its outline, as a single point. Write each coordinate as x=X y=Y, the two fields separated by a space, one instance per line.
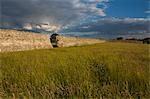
x=101 y=70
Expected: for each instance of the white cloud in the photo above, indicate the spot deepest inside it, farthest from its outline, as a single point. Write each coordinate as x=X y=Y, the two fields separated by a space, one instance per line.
x=147 y=11
x=53 y=11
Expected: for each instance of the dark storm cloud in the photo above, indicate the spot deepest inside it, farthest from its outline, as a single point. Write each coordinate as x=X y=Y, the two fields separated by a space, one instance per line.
x=52 y=11
x=37 y=10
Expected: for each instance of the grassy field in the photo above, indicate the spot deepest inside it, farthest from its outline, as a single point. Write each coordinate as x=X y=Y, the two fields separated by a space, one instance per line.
x=108 y=70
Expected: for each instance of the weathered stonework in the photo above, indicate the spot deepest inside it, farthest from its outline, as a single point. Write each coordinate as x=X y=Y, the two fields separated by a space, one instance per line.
x=12 y=40
x=75 y=41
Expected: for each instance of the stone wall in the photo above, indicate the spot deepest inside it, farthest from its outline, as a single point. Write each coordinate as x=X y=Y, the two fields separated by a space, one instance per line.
x=12 y=40
x=76 y=41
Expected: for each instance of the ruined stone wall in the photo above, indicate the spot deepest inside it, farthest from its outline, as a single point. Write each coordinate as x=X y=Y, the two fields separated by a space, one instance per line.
x=75 y=41
x=12 y=40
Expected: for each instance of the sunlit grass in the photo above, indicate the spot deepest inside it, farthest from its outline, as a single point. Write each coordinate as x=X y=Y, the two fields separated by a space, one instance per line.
x=108 y=70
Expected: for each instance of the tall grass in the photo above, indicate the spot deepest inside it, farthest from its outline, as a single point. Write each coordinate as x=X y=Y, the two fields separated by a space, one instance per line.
x=109 y=70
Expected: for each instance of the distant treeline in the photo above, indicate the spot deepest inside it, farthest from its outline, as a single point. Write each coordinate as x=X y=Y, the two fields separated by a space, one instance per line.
x=144 y=40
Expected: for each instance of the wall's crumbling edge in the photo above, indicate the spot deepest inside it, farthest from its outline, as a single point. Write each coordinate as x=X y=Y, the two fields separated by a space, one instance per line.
x=75 y=41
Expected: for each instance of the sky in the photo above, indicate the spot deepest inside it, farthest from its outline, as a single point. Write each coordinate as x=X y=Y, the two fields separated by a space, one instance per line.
x=67 y=12
x=128 y=8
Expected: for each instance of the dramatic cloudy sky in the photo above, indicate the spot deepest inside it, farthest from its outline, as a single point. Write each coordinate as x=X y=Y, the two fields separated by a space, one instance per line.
x=53 y=11
x=66 y=11
x=102 y=16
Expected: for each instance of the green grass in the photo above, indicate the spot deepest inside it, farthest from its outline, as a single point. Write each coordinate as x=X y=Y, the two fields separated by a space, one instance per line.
x=108 y=70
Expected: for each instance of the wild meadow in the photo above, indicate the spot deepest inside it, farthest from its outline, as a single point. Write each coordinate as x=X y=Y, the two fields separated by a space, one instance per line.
x=110 y=70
